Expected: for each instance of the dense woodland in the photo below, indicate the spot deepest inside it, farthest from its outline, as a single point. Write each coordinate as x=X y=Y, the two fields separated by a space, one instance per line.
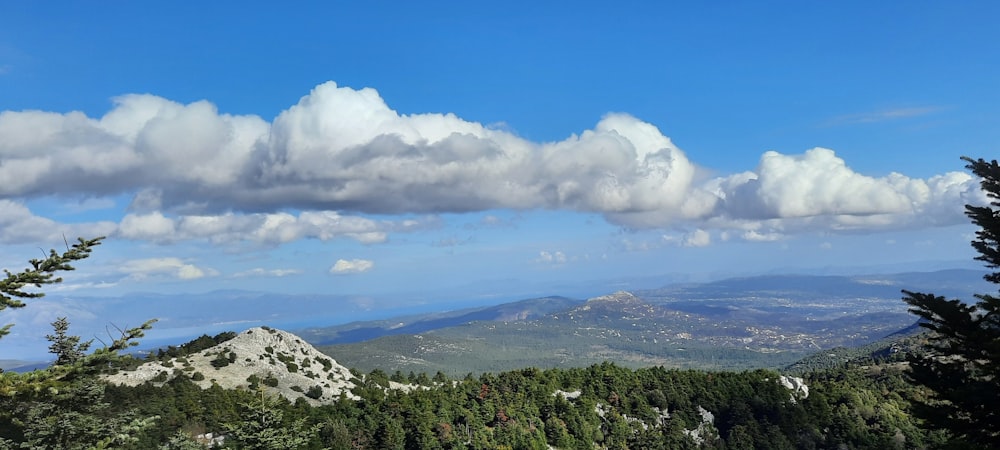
x=846 y=407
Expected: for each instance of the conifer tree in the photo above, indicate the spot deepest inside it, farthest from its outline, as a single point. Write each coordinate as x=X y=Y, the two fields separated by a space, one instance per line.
x=67 y=348
x=262 y=427
x=62 y=406
x=961 y=362
x=42 y=272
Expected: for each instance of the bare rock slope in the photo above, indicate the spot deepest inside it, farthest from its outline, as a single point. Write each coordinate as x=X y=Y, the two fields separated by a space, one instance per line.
x=280 y=361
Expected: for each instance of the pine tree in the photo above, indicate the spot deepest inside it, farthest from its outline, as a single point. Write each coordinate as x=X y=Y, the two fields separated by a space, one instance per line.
x=961 y=362
x=41 y=272
x=67 y=348
x=263 y=427
x=62 y=406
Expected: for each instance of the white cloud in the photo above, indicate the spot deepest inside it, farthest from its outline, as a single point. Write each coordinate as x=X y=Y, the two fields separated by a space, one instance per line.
x=19 y=225
x=196 y=173
x=756 y=236
x=165 y=267
x=815 y=183
x=344 y=266
x=262 y=228
x=697 y=238
x=337 y=149
x=556 y=257
x=152 y=227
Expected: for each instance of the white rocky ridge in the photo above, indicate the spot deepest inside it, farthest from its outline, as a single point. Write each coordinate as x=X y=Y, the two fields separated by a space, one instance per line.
x=283 y=363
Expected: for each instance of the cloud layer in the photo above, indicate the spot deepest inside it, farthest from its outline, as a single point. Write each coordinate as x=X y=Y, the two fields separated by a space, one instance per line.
x=341 y=154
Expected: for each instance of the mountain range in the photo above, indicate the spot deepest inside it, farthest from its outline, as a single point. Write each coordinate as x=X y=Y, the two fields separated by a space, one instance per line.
x=760 y=321
x=739 y=323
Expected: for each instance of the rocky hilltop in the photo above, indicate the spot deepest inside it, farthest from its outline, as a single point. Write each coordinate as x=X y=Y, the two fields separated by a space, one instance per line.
x=281 y=362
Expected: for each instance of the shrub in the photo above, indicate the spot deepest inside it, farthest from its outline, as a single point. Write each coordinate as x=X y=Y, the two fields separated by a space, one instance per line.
x=220 y=361
x=315 y=392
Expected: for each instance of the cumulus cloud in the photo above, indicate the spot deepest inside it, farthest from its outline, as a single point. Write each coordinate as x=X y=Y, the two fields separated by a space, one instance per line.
x=196 y=173
x=697 y=238
x=817 y=190
x=165 y=267
x=344 y=266
x=337 y=149
x=19 y=225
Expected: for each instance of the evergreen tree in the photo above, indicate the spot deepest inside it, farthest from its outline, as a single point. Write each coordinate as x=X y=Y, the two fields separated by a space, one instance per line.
x=961 y=365
x=41 y=272
x=262 y=427
x=67 y=348
x=62 y=406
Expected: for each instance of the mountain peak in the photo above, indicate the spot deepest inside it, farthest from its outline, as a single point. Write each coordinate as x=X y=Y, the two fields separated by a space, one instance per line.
x=283 y=362
x=622 y=297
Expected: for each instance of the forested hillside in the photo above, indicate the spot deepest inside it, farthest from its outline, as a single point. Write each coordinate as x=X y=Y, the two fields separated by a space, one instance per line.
x=601 y=406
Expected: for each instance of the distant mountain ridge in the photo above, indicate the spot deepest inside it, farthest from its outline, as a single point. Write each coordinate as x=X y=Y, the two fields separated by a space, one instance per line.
x=739 y=323
x=363 y=331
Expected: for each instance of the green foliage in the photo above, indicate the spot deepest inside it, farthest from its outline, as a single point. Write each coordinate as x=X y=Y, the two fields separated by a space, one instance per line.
x=41 y=272
x=63 y=405
x=68 y=349
x=194 y=346
x=263 y=427
x=650 y=408
x=182 y=441
x=961 y=361
x=74 y=417
x=220 y=361
x=315 y=392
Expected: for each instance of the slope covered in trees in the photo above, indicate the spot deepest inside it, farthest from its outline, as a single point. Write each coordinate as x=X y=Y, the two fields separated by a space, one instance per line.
x=602 y=406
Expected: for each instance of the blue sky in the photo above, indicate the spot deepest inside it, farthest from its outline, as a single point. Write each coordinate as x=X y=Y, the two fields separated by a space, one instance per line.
x=474 y=149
